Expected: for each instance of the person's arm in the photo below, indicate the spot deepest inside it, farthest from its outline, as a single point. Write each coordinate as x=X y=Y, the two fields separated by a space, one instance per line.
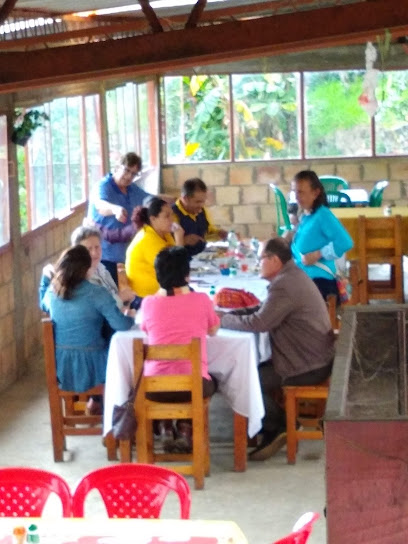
x=339 y=240
x=105 y=208
x=212 y=230
x=45 y=281
x=106 y=304
x=122 y=235
x=273 y=311
x=213 y=319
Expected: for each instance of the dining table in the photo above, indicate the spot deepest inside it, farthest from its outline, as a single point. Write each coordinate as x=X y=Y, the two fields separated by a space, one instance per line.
x=358 y=197
x=233 y=358
x=121 y=531
x=349 y=219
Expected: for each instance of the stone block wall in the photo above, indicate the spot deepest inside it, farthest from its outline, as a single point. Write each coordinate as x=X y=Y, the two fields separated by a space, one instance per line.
x=240 y=197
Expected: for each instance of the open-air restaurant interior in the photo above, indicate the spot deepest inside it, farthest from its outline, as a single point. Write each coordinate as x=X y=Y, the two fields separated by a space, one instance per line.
x=203 y=241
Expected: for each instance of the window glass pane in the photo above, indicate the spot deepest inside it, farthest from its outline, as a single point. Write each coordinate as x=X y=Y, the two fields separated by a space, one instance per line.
x=22 y=188
x=59 y=150
x=204 y=128
x=130 y=118
x=93 y=139
x=115 y=146
x=41 y=209
x=266 y=113
x=75 y=141
x=391 y=119
x=172 y=97
x=144 y=125
x=4 y=202
x=336 y=124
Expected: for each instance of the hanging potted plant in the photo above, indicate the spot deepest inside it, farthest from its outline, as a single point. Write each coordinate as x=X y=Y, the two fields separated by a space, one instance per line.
x=26 y=124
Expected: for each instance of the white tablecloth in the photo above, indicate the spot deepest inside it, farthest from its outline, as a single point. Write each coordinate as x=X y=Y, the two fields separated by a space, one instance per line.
x=232 y=360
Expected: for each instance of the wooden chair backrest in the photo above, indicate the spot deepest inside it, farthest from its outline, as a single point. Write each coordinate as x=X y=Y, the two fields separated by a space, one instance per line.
x=196 y=410
x=169 y=382
x=380 y=237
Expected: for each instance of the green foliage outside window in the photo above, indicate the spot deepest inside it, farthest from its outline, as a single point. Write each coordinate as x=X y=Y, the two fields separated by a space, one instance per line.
x=337 y=126
x=197 y=118
x=266 y=116
x=391 y=120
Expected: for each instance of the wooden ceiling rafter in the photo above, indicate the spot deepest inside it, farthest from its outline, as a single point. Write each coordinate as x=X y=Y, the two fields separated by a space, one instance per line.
x=151 y=16
x=6 y=9
x=140 y=24
x=166 y=51
x=196 y=14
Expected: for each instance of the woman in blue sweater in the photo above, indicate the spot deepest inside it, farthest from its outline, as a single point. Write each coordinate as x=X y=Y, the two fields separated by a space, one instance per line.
x=320 y=238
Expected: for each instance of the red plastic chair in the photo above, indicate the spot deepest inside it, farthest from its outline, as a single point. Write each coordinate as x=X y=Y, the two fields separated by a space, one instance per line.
x=133 y=490
x=301 y=530
x=24 y=491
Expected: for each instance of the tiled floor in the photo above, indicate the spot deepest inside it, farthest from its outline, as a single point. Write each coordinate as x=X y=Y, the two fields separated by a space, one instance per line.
x=265 y=501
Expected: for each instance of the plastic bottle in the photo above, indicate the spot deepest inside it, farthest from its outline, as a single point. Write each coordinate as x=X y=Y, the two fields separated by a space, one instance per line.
x=212 y=292
x=232 y=240
x=254 y=245
x=32 y=534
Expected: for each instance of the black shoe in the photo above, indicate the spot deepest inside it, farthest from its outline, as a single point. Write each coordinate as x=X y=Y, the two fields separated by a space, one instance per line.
x=270 y=444
x=167 y=435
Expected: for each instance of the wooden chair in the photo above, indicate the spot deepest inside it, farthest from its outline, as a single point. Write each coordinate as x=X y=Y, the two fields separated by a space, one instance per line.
x=67 y=408
x=305 y=404
x=380 y=242
x=123 y=282
x=147 y=410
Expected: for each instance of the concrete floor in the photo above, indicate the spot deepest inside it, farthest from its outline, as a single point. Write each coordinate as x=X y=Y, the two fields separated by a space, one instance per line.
x=265 y=501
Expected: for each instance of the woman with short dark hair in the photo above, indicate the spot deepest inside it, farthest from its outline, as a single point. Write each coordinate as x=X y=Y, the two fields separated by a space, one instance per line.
x=175 y=315
x=78 y=309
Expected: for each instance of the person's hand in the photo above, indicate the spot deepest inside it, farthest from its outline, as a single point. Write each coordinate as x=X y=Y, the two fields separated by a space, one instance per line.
x=130 y=312
x=121 y=214
x=48 y=271
x=178 y=233
x=192 y=239
x=311 y=258
x=127 y=294
x=222 y=234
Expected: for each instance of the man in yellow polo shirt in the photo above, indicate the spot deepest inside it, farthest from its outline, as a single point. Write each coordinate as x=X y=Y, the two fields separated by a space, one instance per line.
x=190 y=213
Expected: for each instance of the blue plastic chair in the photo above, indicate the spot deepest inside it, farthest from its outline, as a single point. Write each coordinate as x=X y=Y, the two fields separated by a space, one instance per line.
x=282 y=217
x=376 y=196
x=333 y=183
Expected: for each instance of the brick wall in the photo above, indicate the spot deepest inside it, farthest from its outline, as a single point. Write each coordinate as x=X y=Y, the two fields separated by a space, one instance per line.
x=239 y=194
x=19 y=294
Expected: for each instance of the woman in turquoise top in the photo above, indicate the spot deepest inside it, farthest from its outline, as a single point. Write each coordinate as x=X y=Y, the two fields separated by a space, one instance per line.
x=320 y=238
x=78 y=308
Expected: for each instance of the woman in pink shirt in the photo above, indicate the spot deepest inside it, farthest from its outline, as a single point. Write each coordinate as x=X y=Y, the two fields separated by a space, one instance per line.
x=175 y=315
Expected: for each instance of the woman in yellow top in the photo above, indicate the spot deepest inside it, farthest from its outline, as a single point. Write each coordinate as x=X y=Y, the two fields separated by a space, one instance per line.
x=154 y=223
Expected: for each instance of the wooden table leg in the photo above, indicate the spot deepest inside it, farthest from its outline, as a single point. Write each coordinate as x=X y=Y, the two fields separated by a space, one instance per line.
x=240 y=442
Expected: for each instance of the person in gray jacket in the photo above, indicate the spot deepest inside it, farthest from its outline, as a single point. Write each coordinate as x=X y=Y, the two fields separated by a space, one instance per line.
x=302 y=341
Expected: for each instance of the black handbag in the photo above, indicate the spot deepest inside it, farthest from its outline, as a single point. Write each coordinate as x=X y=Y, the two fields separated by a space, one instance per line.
x=124 y=422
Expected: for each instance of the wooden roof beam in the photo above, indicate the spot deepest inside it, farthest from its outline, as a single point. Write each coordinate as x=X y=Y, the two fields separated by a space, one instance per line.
x=152 y=54
x=6 y=9
x=196 y=13
x=151 y=16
